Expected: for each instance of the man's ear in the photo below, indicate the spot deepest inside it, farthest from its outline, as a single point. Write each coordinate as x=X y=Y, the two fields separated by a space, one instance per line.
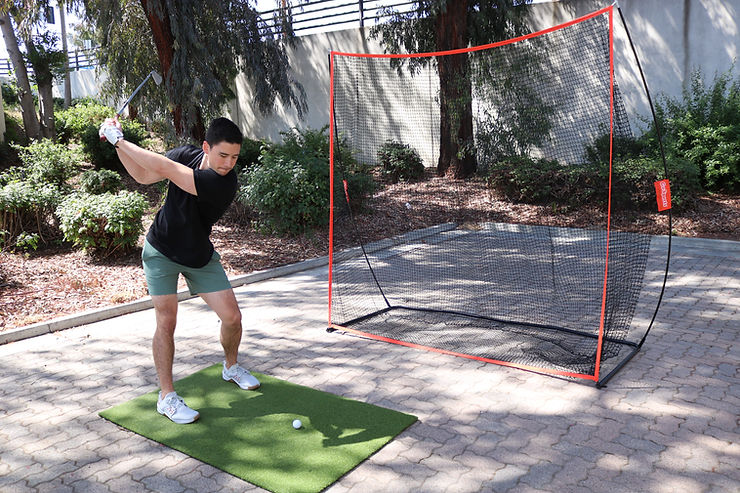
x=206 y=147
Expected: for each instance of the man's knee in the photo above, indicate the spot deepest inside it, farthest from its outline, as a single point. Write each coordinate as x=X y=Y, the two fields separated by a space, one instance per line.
x=232 y=318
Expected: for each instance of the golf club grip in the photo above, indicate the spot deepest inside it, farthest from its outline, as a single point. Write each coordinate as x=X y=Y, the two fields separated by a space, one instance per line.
x=102 y=137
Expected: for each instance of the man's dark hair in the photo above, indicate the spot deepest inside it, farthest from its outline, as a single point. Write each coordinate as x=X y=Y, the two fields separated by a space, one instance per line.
x=223 y=130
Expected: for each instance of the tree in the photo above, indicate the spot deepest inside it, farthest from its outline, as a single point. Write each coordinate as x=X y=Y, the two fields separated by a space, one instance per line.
x=199 y=48
x=25 y=96
x=48 y=66
x=441 y=25
x=41 y=54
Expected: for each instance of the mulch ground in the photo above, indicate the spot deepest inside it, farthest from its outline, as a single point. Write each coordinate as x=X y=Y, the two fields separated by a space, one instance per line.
x=59 y=279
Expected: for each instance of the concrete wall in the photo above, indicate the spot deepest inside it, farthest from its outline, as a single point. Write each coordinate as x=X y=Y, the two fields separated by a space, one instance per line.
x=672 y=38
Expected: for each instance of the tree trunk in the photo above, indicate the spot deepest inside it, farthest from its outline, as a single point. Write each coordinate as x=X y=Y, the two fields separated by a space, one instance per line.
x=67 y=82
x=46 y=107
x=164 y=42
x=456 y=151
x=45 y=86
x=25 y=96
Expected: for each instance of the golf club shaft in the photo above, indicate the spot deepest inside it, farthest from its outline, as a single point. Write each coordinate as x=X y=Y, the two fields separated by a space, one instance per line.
x=133 y=94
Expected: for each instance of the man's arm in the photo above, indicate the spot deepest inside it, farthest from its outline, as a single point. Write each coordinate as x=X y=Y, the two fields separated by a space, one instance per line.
x=138 y=173
x=155 y=166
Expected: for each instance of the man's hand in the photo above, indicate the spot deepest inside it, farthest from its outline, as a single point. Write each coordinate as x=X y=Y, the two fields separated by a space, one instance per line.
x=111 y=131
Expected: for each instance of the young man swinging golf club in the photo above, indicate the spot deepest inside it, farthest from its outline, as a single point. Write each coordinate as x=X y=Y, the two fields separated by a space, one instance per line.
x=202 y=185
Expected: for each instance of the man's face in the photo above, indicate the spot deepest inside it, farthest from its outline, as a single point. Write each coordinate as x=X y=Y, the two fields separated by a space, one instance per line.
x=222 y=156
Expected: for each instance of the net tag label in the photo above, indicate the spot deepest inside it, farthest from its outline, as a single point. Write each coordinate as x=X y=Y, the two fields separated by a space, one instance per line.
x=663 y=193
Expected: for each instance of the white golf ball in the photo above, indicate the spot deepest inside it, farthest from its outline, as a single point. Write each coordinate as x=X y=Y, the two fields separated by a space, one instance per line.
x=297 y=424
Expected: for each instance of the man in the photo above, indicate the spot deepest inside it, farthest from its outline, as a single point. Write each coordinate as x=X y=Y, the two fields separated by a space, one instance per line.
x=202 y=185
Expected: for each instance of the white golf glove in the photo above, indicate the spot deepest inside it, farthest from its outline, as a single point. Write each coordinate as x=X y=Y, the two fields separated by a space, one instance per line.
x=111 y=130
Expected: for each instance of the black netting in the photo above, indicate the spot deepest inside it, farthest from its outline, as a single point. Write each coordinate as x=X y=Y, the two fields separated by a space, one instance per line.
x=524 y=294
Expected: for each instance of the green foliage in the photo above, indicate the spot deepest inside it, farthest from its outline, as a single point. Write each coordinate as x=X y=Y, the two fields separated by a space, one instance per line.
x=72 y=123
x=623 y=148
x=101 y=153
x=26 y=206
x=44 y=162
x=100 y=181
x=203 y=65
x=249 y=153
x=540 y=181
x=47 y=61
x=537 y=181
x=102 y=223
x=14 y=132
x=10 y=93
x=289 y=189
x=400 y=162
x=27 y=241
x=633 y=183
x=704 y=128
x=82 y=121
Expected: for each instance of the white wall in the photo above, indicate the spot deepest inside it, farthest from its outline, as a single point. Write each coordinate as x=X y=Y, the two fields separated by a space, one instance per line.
x=672 y=38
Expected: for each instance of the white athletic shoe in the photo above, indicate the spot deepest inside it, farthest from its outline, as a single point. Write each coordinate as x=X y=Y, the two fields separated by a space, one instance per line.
x=175 y=408
x=240 y=376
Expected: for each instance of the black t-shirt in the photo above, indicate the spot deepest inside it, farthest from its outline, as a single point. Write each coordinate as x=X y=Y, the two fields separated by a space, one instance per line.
x=182 y=227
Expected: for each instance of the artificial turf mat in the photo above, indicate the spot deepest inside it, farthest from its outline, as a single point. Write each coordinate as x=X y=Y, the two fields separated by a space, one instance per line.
x=249 y=433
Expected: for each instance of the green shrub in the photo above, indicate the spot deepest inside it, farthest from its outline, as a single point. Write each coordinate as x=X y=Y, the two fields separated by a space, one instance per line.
x=400 y=162
x=82 y=122
x=72 y=122
x=14 y=132
x=249 y=153
x=703 y=127
x=101 y=153
x=100 y=181
x=27 y=241
x=289 y=189
x=633 y=183
x=522 y=179
x=102 y=223
x=26 y=206
x=10 y=94
x=536 y=181
x=45 y=162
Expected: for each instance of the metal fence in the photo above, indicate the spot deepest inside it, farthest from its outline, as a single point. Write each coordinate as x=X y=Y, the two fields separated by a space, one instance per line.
x=307 y=18
x=329 y=15
x=78 y=59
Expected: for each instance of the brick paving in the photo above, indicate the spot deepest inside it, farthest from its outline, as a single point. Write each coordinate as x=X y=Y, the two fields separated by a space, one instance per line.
x=668 y=422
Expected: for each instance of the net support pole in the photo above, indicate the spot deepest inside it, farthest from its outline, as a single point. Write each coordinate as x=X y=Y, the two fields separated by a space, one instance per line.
x=331 y=181
x=659 y=135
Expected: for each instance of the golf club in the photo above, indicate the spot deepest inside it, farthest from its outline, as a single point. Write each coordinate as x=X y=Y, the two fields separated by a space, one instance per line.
x=157 y=80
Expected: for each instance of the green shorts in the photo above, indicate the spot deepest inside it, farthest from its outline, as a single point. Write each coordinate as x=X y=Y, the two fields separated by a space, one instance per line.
x=162 y=274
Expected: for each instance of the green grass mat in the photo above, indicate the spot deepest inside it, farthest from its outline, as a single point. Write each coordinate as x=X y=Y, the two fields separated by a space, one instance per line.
x=249 y=433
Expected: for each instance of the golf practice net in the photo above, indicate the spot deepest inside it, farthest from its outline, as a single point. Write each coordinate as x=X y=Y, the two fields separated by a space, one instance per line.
x=465 y=278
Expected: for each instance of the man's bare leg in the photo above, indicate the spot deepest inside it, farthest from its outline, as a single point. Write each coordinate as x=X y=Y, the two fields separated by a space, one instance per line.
x=163 y=343
x=226 y=307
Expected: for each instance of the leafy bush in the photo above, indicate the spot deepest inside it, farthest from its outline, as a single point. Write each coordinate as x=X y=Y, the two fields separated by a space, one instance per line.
x=289 y=189
x=100 y=181
x=72 y=122
x=521 y=179
x=703 y=127
x=10 y=94
x=400 y=162
x=101 y=153
x=14 y=131
x=27 y=241
x=45 y=162
x=102 y=223
x=82 y=121
x=249 y=153
x=536 y=181
x=26 y=206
